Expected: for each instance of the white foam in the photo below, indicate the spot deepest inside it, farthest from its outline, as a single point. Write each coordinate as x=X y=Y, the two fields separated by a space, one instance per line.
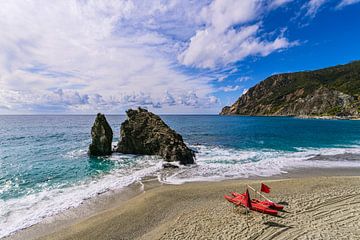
x=23 y=212
x=76 y=153
x=218 y=163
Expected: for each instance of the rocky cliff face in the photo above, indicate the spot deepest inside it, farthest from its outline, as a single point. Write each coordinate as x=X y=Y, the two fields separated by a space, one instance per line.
x=102 y=135
x=145 y=133
x=331 y=91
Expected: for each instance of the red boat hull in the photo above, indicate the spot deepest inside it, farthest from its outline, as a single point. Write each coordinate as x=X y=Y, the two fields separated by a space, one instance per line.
x=267 y=203
x=240 y=201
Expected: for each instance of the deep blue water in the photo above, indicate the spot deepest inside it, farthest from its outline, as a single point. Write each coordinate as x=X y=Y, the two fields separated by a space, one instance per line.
x=43 y=159
x=278 y=133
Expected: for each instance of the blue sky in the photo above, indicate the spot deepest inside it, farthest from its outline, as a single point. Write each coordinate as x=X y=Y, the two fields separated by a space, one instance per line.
x=171 y=56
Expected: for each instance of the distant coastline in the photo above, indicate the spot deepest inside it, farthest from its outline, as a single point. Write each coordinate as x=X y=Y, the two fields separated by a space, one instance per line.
x=301 y=117
x=329 y=117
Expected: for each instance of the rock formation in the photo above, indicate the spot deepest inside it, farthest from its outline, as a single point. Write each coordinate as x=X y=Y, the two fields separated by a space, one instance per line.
x=333 y=92
x=170 y=165
x=145 y=133
x=102 y=136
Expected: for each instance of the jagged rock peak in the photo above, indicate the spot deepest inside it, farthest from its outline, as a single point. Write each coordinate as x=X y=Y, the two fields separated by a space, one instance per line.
x=145 y=133
x=102 y=135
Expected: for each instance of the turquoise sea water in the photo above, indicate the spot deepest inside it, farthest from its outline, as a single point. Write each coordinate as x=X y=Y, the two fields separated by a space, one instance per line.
x=45 y=169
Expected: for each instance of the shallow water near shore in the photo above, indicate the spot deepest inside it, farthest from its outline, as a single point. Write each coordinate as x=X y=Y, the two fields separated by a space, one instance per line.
x=45 y=169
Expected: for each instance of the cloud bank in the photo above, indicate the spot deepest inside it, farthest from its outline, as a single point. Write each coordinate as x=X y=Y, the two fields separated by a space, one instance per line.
x=84 y=55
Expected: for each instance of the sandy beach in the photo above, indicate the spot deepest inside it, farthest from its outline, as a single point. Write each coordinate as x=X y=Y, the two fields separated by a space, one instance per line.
x=324 y=207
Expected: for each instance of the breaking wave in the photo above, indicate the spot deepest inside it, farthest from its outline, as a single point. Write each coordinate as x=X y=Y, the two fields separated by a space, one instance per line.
x=218 y=163
x=19 y=213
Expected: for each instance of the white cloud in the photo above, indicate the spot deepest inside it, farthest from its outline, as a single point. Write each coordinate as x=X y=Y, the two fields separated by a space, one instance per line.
x=97 y=54
x=245 y=91
x=226 y=72
x=221 y=42
x=222 y=78
x=345 y=3
x=243 y=79
x=230 y=88
x=278 y=3
x=221 y=14
x=313 y=6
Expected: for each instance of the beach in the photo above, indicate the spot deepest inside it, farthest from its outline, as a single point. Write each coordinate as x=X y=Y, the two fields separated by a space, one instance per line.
x=325 y=207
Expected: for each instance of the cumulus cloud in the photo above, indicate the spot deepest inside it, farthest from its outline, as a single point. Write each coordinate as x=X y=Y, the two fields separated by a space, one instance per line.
x=60 y=100
x=230 y=34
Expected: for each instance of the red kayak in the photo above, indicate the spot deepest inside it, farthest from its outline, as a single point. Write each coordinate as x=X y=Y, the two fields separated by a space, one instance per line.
x=240 y=200
x=267 y=203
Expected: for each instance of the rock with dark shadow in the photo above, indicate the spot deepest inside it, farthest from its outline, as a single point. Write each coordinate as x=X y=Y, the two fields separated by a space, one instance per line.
x=145 y=133
x=170 y=165
x=102 y=135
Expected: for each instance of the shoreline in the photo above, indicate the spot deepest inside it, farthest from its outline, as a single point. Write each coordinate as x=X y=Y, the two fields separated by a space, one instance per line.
x=297 y=116
x=105 y=203
x=88 y=208
x=328 y=117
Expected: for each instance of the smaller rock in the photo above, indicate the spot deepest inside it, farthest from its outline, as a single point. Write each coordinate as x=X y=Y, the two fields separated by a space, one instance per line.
x=102 y=135
x=169 y=165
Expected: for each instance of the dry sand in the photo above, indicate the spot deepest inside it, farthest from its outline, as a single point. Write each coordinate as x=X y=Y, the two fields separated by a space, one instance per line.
x=318 y=208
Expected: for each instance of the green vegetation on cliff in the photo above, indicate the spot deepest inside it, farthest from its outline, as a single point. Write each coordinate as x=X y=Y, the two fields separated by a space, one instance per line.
x=333 y=91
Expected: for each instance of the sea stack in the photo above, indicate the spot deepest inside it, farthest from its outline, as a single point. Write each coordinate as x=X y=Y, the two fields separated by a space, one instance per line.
x=145 y=133
x=102 y=135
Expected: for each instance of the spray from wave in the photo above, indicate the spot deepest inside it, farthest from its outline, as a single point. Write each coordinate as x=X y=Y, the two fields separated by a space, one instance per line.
x=215 y=163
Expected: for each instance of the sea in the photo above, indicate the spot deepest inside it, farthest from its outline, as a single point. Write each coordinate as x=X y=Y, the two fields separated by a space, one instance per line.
x=45 y=168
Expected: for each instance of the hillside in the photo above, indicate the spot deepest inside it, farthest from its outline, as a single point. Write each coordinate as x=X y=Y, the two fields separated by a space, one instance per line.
x=332 y=92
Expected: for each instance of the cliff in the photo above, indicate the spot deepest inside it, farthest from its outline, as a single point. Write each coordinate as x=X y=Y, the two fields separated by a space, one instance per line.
x=331 y=92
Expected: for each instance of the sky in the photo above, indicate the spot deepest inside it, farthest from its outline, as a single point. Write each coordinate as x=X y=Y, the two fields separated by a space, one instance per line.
x=172 y=57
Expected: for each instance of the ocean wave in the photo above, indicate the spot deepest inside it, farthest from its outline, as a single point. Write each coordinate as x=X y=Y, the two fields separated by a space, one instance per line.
x=77 y=153
x=19 y=213
x=215 y=163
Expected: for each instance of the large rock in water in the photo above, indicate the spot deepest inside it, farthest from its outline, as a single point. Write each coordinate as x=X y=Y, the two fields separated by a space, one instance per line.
x=102 y=135
x=145 y=133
